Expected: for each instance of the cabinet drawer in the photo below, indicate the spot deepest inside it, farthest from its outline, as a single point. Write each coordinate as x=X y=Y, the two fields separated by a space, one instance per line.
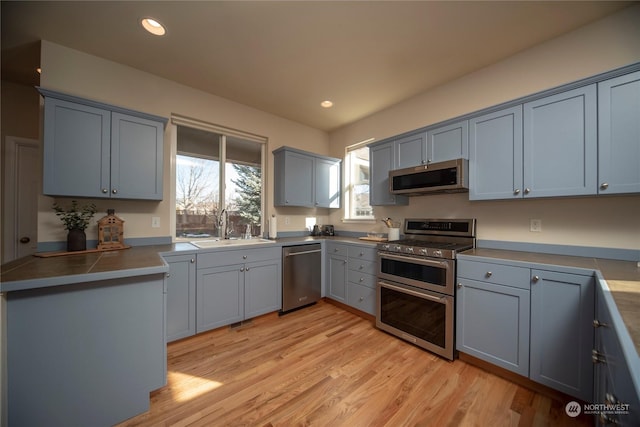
x=363 y=266
x=362 y=298
x=363 y=252
x=499 y=274
x=368 y=280
x=337 y=249
x=241 y=256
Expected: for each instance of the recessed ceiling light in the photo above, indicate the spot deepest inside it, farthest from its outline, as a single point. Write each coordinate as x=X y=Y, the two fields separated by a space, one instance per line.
x=326 y=104
x=153 y=26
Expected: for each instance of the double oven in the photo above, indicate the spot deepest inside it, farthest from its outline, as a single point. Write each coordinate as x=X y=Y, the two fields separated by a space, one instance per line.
x=416 y=277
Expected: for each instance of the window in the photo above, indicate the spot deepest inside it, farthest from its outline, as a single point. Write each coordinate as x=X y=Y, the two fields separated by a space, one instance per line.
x=357 y=182
x=218 y=183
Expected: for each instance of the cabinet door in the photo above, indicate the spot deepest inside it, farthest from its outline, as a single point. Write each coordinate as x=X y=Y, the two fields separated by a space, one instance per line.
x=381 y=161
x=448 y=142
x=495 y=155
x=619 y=135
x=327 y=183
x=76 y=149
x=560 y=144
x=136 y=157
x=337 y=277
x=294 y=186
x=362 y=298
x=562 y=310
x=492 y=324
x=181 y=296
x=411 y=151
x=262 y=288
x=220 y=298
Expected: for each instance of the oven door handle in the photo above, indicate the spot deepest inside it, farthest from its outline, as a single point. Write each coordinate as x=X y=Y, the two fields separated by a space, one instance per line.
x=441 y=264
x=441 y=300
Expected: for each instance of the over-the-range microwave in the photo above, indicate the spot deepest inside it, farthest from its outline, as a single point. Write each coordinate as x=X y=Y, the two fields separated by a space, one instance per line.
x=450 y=176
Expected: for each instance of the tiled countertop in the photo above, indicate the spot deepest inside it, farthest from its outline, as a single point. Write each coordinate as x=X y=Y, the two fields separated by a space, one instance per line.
x=622 y=278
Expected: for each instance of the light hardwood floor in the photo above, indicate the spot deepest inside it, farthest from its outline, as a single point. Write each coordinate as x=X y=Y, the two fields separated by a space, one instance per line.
x=324 y=366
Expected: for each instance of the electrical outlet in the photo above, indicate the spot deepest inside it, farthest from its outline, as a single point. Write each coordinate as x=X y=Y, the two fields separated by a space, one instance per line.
x=535 y=225
x=155 y=222
x=287 y=220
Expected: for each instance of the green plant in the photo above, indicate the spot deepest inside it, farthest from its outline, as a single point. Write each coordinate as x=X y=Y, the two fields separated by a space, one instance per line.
x=75 y=217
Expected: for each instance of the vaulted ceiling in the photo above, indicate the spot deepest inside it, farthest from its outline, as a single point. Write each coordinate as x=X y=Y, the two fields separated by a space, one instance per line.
x=287 y=57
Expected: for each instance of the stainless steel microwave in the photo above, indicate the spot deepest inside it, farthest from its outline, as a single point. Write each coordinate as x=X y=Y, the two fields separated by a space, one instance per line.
x=450 y=176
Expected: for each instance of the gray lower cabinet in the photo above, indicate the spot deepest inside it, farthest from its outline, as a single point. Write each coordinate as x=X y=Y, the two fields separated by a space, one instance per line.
x=381 y=161
x=492 y=314
x=619 y=135
x=337 y=270
x=562 y=310
x=117 y=154
x=181 y=296
x=534 y=322
x=613 y=379
x=236 y=285
x=85 y=354
x=352 y=270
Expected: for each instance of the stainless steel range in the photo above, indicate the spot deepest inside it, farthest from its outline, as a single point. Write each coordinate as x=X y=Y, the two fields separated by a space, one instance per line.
x=416 y=276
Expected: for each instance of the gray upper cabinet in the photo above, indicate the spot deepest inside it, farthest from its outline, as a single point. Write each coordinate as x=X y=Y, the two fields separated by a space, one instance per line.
x=305 y=179
x=495 y=155
x=410 y=151
x=448 y=142
x=381 y=161
x=93 y=150
x=560 y=144
x=619 y=135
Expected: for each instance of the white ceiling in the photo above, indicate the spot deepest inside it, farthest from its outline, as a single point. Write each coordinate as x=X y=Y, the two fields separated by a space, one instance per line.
x=287 y=57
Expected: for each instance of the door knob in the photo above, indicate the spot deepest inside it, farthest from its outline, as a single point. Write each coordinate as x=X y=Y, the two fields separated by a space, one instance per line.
x=25 y=240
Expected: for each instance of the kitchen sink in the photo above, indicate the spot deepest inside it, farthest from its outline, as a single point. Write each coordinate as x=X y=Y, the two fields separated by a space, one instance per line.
x=218 y=243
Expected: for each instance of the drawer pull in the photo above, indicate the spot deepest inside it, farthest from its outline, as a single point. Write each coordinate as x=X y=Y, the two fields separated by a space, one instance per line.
x=244 y=257
x=489 y=274
x=535 y=279
x=459 y=285
x=362 y=279
x=361 y=299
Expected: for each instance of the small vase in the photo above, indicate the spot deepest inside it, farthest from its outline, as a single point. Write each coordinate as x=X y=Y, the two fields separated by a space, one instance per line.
x=76 y=240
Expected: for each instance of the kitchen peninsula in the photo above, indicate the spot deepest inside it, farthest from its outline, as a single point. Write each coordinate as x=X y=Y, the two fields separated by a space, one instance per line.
x=85 y=336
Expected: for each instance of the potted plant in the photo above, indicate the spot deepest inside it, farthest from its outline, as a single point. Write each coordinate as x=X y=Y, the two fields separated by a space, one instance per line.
x=75 y=220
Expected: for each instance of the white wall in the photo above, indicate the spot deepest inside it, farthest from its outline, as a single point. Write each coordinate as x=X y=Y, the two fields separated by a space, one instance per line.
x=594 y=221
x=76 y=73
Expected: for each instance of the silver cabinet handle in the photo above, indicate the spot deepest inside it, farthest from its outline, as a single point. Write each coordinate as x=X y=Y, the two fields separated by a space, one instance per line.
x=361 y=299
x=597 y=324
x=114 y=191
x=244 y=257
x=193 y=260
x=527 y=190
x=168 y=275
x=459 y=285
x=597 y=357
x=535 y=279
x=516 y=191
x=489 y=274
x=362 y=279
x=104 y=190
x=246 y=269
x=345 y=261
x=242 y=269
x=335 y=249
x=604 y=186
x=25 y=239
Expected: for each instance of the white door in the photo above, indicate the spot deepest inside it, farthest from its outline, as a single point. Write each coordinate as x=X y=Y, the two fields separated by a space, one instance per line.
x=22 y=185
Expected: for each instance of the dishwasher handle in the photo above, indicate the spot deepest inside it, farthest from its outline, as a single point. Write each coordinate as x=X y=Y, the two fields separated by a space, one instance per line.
x=315 y=251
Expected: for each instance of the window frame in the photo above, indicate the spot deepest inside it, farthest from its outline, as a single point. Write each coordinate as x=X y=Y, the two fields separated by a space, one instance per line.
x=349 y=185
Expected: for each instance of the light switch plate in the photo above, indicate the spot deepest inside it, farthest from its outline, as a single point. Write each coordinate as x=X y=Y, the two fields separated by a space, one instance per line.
x=155 y=222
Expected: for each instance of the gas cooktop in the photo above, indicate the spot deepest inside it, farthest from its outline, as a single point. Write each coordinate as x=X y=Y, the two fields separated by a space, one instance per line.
x=435 y=238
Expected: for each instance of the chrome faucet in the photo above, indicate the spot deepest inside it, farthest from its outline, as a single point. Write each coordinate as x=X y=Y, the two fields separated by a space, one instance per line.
x=223 y=219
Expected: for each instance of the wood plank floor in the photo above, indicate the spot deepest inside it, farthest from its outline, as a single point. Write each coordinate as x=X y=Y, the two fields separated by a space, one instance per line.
x=324 y=366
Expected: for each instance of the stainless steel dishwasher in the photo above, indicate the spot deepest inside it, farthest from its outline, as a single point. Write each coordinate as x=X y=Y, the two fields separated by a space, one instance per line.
x=301 y=276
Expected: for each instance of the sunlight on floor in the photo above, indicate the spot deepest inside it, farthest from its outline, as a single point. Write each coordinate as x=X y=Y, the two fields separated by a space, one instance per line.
x=190 y=386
